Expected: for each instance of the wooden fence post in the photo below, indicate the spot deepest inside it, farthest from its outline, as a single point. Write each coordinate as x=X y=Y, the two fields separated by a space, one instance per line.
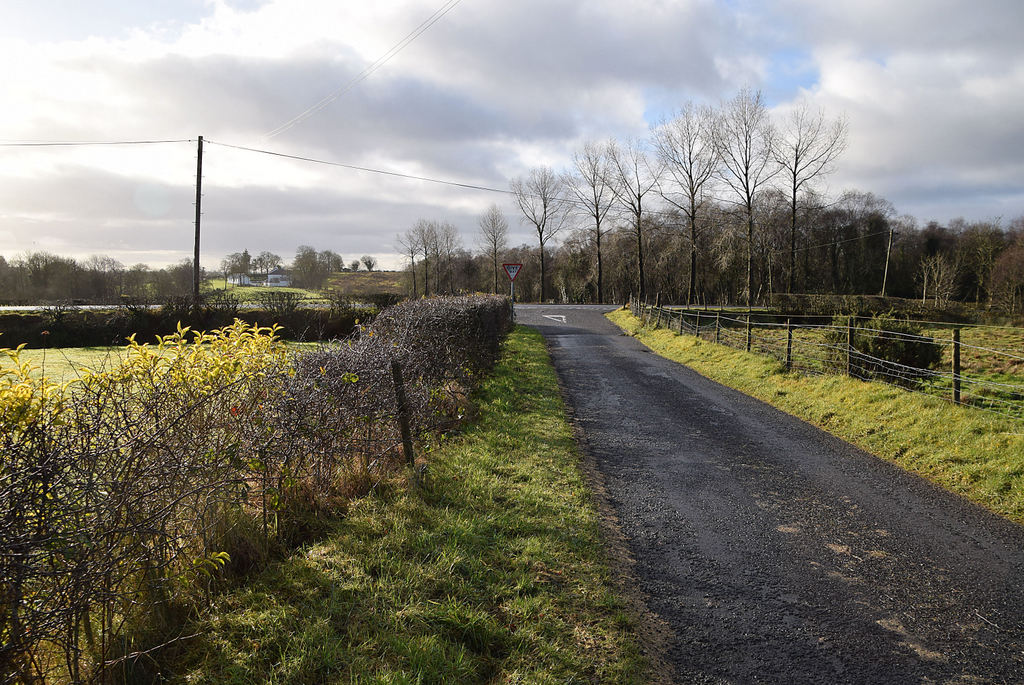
x=681 y=317
x=696 y=326
x=718 y=326
x=403 y=414
x=956 y=366
x=849 y=346
x=789 y=346
x=748 y=332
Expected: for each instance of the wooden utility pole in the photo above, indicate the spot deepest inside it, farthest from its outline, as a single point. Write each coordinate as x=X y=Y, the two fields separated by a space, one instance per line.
x=888 y=251
x=199 y=205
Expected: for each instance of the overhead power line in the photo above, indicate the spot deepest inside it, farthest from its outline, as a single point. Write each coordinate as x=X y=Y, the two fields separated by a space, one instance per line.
x=381 y=61
x=835 y=242
x=355 y=167
x=473 y=186
x=83 y=143
x=397 y=174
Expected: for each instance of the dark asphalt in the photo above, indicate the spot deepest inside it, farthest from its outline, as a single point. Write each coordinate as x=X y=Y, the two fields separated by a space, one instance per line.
x=774 y=552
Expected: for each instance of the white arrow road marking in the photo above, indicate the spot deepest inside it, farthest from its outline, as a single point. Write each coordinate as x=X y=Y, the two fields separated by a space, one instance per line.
x=560 y=318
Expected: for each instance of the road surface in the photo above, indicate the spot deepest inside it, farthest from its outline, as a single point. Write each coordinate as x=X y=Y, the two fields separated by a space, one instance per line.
x=773 y=552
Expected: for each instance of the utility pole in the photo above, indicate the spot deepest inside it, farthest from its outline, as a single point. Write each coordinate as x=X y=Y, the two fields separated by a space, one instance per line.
x=888 y=250
x=199 y=204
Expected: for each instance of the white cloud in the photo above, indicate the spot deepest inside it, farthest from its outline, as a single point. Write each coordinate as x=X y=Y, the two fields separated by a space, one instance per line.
x=932 y=91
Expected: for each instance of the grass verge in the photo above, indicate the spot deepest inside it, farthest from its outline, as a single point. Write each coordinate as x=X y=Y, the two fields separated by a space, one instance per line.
x=493 y=572
x=966 y=450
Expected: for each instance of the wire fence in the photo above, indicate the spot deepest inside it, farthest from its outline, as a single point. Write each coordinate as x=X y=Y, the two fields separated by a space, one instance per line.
x=986 y=373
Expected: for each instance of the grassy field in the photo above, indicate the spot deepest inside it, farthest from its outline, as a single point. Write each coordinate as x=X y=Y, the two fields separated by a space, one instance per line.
x=357 y=283
x=348 y=283
x=968 y=451
x=252 y=293
x=981 y=347
x=492 y=572
x=66 y=363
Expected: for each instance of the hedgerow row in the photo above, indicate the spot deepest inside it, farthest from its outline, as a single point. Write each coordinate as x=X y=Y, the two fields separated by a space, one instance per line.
x=126 y=494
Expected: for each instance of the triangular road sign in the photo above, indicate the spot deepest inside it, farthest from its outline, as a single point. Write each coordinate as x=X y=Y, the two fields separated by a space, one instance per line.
x=512 y=270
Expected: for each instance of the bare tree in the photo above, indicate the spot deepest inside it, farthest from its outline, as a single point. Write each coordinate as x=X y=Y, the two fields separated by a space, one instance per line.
x=330 y=261
x=493 y=237
x=424 y=236
x=686 y=147
x=266 y=262
x=369 y=261
x=448 y=242
x=806 y=148
x=1007 y=281
x=631 y=178
x=409 y=247
x=227 y=265
x=588 y=183
x=541 y=199
x=979 y=245
x=939 y=275
x=745 y=140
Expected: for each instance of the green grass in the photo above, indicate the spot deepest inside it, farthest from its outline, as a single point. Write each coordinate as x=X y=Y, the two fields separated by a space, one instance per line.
x=987 y=362
x=65 y=364
x=252 y=293
x=493 y=572
x=966 y=450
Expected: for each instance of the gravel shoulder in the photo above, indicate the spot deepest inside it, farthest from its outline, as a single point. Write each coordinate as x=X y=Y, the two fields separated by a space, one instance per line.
x=765 y=550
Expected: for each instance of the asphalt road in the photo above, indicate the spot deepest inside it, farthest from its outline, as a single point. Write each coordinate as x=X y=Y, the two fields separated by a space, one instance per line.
x=773 y=552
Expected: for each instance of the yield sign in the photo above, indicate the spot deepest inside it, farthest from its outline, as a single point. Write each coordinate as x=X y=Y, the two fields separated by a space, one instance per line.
x=512 y=270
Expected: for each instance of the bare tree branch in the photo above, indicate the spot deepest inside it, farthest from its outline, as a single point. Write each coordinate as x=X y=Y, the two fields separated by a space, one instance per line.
x=541 y=198
x=686 y=147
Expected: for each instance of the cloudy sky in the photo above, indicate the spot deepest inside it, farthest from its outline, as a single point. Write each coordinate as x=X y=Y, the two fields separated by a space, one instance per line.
x=933 y=91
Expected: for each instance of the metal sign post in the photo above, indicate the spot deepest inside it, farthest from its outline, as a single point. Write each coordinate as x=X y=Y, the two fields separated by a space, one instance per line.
x=512 y=270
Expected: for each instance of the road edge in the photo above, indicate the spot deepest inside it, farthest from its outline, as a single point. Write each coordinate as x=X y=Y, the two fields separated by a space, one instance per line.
x=653 y=633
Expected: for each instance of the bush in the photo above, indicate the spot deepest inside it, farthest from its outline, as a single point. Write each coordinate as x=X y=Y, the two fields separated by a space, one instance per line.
x=884 y=348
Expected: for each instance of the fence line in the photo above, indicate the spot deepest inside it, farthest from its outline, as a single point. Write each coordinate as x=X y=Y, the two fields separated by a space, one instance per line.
x=904 y=358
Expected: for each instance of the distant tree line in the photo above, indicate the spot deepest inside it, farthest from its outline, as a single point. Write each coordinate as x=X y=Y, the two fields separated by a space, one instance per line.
x=45 y=278
x=718 y=206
